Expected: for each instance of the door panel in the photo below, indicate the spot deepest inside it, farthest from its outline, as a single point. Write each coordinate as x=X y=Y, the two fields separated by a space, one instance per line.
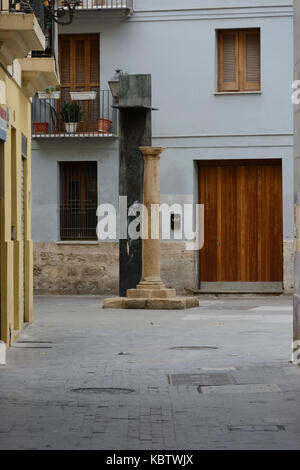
x=227 y=229
x=243 y=221
x=208 y=193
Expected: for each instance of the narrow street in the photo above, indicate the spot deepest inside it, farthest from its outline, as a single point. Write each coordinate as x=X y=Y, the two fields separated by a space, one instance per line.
x=214 y=377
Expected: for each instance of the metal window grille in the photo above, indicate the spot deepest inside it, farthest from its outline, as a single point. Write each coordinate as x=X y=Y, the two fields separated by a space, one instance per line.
x=78 y=200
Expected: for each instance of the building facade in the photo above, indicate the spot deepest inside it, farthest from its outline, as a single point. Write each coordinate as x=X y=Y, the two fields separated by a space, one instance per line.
x=297 y=174
x=221 y=78
x=21 y=75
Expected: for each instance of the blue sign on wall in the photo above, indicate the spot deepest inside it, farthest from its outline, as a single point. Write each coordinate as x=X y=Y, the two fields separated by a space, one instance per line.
x=4 y=122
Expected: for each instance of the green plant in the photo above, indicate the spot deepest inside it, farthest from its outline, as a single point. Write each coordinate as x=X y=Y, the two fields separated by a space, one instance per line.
x=71 y=112
x=51 y=89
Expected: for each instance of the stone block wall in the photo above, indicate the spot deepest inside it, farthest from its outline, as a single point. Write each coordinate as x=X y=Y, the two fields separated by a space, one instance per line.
x=93 y=268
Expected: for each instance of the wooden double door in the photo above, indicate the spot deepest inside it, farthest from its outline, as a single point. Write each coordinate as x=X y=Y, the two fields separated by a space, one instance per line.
x=243 y=223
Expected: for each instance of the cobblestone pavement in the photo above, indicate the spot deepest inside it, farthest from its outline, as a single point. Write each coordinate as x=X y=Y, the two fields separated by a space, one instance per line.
x=85 y=378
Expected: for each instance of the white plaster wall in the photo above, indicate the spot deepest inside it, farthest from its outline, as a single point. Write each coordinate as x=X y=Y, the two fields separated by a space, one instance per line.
x=175 y=41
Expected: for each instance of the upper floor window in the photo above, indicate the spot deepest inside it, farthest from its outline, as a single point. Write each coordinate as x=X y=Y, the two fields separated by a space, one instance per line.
x=239 y=60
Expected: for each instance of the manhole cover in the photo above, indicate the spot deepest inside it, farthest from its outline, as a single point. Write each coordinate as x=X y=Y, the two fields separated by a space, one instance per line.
x=201 y=379
x=103 y=390
x=194 y=348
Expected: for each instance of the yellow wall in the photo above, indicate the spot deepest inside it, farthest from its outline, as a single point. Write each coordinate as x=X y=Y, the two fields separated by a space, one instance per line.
x=13 y=264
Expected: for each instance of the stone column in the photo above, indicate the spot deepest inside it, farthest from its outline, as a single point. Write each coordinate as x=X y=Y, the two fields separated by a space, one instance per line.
x=151 y=245
x=151 y=292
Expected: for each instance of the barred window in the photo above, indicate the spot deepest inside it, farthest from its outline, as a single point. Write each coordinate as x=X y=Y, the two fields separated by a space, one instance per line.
x=78 y=200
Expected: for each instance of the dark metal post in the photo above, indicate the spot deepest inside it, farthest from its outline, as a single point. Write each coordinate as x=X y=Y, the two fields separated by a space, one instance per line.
x=134 y=131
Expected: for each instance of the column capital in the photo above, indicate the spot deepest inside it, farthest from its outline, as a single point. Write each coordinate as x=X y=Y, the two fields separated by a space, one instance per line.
x=153 y=152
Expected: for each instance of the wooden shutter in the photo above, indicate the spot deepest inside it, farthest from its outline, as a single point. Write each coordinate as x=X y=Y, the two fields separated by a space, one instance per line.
x=228 y=46
x=251 y=60
x=239 y=60
x=65 y=63
x=79 y=61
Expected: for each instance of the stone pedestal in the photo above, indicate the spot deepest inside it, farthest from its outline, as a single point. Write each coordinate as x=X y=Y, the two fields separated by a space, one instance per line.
x=134 y=131
x=151 y=292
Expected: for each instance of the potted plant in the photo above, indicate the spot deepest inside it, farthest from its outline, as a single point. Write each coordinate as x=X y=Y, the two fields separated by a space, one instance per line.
x=40 y=127
x=71 y=114
x=52 y=92
x=104 y=125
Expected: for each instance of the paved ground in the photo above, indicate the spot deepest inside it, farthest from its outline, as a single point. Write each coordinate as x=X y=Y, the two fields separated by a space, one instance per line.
x=245 y=394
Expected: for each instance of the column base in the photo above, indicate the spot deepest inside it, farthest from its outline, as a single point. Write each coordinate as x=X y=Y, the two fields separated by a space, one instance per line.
x=151 y=294
x=171 y=303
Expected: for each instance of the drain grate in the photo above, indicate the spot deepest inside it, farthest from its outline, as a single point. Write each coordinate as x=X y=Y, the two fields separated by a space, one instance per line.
x=32 y=347
x=259 y=427
x=240 y=388
x=193 y=348
x=201 y=379
x=109 y=390
x=33 y=344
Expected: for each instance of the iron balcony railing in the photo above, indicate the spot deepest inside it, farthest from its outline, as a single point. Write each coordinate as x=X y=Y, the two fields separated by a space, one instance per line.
x=26 y=6
x=88 y=114
x=103 y=4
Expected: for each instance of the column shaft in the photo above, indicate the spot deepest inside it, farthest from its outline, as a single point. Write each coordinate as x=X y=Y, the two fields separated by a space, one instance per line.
x=151 y=245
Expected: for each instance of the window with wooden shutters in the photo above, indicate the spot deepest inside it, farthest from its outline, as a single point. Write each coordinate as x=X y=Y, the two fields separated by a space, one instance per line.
x=79 y=59
x=239 y=60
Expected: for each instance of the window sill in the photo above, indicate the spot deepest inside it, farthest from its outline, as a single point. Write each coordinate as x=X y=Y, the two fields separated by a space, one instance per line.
x=258 y=92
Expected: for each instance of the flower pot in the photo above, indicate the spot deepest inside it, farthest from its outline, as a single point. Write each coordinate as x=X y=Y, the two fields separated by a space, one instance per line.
x=104 y=125
x=40 y=127
x=71 y=127
x=83 y=95
x=55 y=95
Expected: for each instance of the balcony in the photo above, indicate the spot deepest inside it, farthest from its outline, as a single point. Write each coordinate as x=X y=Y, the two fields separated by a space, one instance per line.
x=121 y=7
x=20 y=30
x=37 y=74
x=83 y=114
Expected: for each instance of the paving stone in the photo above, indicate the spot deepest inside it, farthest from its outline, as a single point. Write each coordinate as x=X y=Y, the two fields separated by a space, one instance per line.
x=38 y=410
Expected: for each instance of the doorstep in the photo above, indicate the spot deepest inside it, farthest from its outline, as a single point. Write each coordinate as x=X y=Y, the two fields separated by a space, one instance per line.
x=240 y=288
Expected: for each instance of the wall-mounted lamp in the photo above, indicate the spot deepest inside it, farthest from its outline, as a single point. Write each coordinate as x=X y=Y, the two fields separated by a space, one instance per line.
x=114 y=85
x=62 y=15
